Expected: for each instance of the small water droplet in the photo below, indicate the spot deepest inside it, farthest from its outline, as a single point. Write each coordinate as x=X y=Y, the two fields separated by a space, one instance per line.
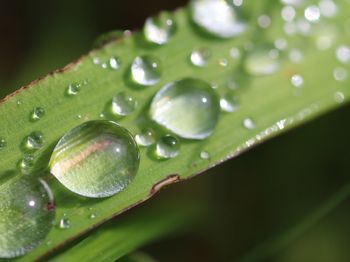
x=73 y=89
x=312 y=13
x=167 y=147
x=328 y=8
x=204 y=155
x=264 y=21
x=96 y=60
x=25 y=221
x=235 y=53
x=296 y=56
x=228 y=103
x=145 y=138
x=123 y=104
x=219 y=18
x=288 y=13
x=343 y=54
x=249 y=123
x=262 y=62
x=26 y=164
x=297 y=80
x=339 y=97
x=114 y=62
x=37 y=114
x=145 y=70
x=2 y=143
x=79 y=116
x=281 y=44
x=223 y=62
x=161 y=29
x=64 y=223
x=200 y=57
x=92 y=216
x=96 y=159
x=340 y=74
x=33 y=141
x=189 y=108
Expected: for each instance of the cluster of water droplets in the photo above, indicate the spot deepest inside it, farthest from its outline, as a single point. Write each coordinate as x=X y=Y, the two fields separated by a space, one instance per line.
x=100 y=158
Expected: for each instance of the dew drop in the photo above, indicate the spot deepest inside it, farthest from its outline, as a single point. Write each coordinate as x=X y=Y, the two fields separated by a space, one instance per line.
x=262 y=62
x=297 y=80
x=189 y=108
x=33 y=142
x=219 y=18
x=96 y=159
x=25 y=219
x=64 y=223
x=235 y=53
x=281 y=44
x=339 y=97
x=114 y=63
x=228 y=103
x=161 y=29
x=37 y=114
x=167 y=147
x=223 y=62
x=296 y=56
x=343 y=54
x=328 y=8
x=145 y=138
x=340 y=74
x=92 y=216
x=312 y=13
x=200 y=57
x=26 y=164
x=123 y=104
x=288 y=13
x=145 y=70
x=73 y=89
x=264 y=21
x=2 y=143
x=204 y=155
x=249 y=123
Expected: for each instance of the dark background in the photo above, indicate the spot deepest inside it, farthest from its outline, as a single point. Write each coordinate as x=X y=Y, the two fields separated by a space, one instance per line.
x=257 y=196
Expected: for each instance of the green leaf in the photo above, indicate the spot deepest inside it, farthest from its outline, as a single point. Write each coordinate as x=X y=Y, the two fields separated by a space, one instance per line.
x=270 y=101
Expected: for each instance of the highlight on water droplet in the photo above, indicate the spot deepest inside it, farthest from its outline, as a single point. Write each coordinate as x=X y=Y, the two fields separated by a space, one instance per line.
x=33 y=141
x=25 y=217
x=96 y=159
x=159 y=30
x=249 y=123
x=123 y=104
x=262 y=62
x=219 y=18
x=297 y=80
x=73 y=89
x=229 y=103
x=37 y=114
x=204 y=155
x=188 y=107
x=145 y=70
x=64 y=223
x=200 y=57
x=146 y=137
x=167 y=147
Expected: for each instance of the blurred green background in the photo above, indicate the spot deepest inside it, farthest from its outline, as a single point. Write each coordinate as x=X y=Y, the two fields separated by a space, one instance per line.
x=261 y=195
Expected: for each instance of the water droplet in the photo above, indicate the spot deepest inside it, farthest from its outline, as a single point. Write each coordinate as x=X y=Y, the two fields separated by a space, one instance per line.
x=312 y=13
x=228 y=103
x=145 y=138
x=343 y=54
x=219 y=18
x=33 y=142
x=297 y=80
x=145 y=70
x=96 y=60
x=73 y=89
x=328 y=8
x=200 y=57
x=249 y=123
x=262 y=62
x=161 y=29
x=123 y=104
x=288 y=13
x=92 y=216
x=296 y=56
x=325 y=36
x=204 y=155
x=340 y=74
x=167 y=147
x=339 y=97
x=235 y=53
x=37 y=113
x=264 y=21
x=223 y=62
x=114 y=62
x=25 y=219
x=189 y=108
x=2 y=143
x=96 y=159
x=26 y=164
x=281 y=44
x=64 y=223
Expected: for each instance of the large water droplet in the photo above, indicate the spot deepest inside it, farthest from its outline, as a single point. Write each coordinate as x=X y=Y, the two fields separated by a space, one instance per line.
x=189 y=108
x=123 y=104
x=145 y=70
x=33 y=142
x=96 y=159
x=221 y=18
x=145 y=138
x=200 y=57
x=159 y=30
x=37 y=113
x=26 y=215
x=262 y=62
x=167 y=147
